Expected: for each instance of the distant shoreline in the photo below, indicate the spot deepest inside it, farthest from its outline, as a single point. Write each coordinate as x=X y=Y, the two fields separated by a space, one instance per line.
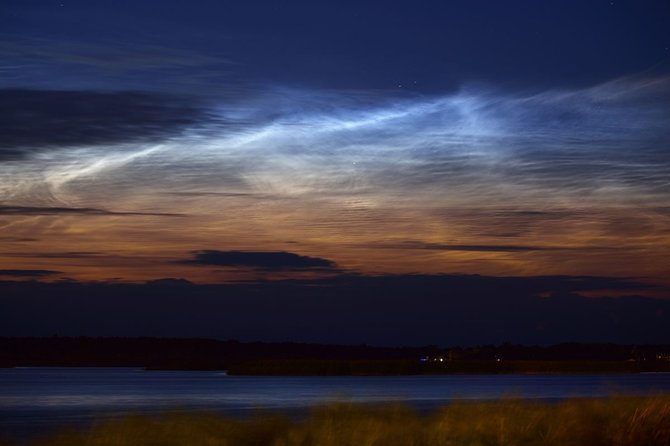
x=301 y=359
x=456 y=367
x=398 y=368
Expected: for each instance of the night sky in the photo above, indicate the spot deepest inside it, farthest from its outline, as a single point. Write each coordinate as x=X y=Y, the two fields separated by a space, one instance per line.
x=503 y=162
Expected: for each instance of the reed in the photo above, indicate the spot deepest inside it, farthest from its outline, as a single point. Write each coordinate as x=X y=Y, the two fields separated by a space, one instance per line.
x=618 y=421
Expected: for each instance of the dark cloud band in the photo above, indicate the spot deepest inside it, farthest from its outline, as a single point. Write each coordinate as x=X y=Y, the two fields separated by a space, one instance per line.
x=269 y=260
x=36 y=210
x=34 y=120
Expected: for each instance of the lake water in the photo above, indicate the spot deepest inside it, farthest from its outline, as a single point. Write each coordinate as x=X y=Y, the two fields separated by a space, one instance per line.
x=34 y=400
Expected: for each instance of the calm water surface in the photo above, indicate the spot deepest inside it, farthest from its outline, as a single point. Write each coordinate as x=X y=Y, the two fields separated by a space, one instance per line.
x=38 y=399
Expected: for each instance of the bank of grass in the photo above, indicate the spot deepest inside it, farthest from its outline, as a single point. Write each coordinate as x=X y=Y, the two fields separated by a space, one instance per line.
x=615 y=421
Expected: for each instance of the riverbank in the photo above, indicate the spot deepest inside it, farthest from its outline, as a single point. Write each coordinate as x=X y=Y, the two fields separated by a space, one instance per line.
x=287 y=358
x=613 y=421
x=308 y=367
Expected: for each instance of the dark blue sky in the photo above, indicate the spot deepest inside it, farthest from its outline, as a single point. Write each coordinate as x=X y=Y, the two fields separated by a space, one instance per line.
x=429 y=47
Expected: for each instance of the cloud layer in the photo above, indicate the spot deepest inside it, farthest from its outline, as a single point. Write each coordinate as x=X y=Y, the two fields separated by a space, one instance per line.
x=569 y=181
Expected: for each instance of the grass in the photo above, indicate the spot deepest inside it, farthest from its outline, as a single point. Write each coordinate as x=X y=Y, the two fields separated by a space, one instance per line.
x=617 y=421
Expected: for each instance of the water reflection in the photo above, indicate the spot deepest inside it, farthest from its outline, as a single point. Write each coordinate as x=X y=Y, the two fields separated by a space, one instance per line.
x=39 y=398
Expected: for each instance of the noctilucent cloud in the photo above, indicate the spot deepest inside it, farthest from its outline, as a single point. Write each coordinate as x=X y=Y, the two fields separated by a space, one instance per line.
x=227 y=141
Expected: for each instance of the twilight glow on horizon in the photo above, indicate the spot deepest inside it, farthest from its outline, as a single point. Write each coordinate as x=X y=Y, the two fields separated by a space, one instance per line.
x=292 y=142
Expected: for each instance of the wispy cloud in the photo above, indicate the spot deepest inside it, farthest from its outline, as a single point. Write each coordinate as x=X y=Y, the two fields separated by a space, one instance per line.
x=296 y=142
x=36 y=273
x=57 y=255
x=113 y=56
x=419 y=245
x=37 y=210
x=18 y=239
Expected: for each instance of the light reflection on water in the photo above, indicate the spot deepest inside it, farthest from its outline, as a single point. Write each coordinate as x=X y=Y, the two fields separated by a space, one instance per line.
x=41 y=398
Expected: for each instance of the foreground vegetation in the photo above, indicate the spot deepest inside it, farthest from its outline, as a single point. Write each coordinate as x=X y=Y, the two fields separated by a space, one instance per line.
x=615 y=421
